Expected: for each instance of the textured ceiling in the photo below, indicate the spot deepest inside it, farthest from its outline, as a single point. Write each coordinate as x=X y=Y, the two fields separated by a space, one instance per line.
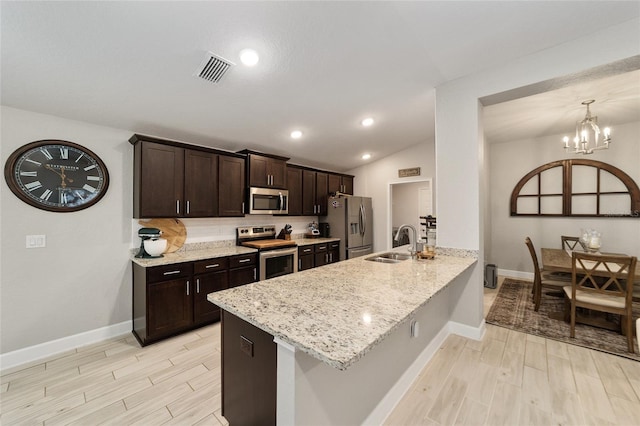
x=323 y=67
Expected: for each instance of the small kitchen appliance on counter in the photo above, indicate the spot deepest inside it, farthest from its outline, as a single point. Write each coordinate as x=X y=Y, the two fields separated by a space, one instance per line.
x=325 y=230
x=148 y=237
x=313 y=231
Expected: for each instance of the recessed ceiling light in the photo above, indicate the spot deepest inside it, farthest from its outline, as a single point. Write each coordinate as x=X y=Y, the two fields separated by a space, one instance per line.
x=366 y=156
x=249 y=57
x=367 y=122
x=296 y=134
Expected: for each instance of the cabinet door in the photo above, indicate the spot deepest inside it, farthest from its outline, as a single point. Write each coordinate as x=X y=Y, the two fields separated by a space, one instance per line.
x=258 y=170
x=335 y=183
x=305 y=262
x=161 y=181
x=334 y=252
x=294 y=184
x=170 y=307
x=242 y=276
x=321 y=259
x=201 y=184
x=322 y=192
x=347 y=184
x=278 y=171
x=203 y=310
x=231 y=186
x=309 y=205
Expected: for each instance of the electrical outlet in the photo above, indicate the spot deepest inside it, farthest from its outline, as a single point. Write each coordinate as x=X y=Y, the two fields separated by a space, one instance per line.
x=246 y=346
x=36 y=241
x=414 y=328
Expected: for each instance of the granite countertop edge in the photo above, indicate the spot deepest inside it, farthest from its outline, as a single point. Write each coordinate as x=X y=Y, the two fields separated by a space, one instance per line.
x=344 y=362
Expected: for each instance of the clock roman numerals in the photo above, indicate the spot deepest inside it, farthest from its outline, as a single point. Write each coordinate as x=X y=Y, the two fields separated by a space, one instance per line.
x=56 y=175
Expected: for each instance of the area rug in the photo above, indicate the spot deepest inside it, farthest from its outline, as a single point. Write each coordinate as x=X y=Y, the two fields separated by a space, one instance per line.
x=513 y=308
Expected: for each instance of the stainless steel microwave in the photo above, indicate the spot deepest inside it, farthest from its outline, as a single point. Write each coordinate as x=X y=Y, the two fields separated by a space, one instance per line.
x=268 y=201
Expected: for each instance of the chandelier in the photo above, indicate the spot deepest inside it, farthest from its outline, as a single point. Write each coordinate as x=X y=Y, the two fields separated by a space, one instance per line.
x=587 y=139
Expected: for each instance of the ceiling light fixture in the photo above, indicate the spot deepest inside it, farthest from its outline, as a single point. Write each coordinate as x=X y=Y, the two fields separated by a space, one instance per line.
x=367 y=122
x=366 y=156
x=249 y=57
x=296 y=134
x=587 y=131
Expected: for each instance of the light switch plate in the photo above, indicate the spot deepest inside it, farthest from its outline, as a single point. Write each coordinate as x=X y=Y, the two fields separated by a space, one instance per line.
x=36 y=241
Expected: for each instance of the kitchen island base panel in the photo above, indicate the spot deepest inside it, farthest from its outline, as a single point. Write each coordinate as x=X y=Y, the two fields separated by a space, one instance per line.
x=310 y=391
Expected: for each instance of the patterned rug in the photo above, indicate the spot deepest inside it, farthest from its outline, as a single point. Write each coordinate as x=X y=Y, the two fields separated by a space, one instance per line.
x=513 y=308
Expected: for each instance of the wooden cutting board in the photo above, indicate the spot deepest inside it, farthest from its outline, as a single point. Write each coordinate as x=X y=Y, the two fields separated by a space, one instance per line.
x=173 y=230
x=268 y=244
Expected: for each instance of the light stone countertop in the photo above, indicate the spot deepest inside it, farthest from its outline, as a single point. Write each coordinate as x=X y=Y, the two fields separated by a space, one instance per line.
x=339 y=312
x=309 y=241
x=211 y=250
x=191 y=255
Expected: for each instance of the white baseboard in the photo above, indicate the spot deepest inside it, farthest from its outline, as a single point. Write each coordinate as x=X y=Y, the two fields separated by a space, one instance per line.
x=48 y=349
x=402 y=386
x=516 y=274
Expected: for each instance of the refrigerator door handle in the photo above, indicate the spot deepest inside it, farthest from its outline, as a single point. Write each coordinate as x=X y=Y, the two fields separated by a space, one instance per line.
x=362 y=220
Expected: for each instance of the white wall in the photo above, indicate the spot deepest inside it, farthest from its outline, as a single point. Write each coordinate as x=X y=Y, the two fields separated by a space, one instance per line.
x=461 y=187
x=405 y=206
x=511 y=161
x=81 y=280
x=374 y=180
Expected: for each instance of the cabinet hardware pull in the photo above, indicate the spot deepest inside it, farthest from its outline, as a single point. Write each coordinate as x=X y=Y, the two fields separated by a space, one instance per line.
x=307 y=250
x=188 y=209
x=330 y=257
x=178 y=206
x=326 y=258
x=215 y=265
x=244 y=260
x=171 y=272
x=254 y=274
x=299 y=264
x=187 y=288
x=198 y=285
x=242 y=207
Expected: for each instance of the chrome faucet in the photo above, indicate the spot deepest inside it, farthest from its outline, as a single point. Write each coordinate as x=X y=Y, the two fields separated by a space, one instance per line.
x=413 y=250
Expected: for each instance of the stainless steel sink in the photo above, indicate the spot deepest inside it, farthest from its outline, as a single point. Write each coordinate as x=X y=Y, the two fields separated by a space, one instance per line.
x=390 y=257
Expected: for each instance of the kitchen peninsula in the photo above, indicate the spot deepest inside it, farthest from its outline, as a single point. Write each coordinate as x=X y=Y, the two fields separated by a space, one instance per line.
x=333 y=342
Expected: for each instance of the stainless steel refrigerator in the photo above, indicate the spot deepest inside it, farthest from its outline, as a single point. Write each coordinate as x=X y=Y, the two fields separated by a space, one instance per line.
x=350 y=218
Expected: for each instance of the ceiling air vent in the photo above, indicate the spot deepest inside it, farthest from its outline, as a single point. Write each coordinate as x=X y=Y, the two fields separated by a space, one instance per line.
x=213 y=68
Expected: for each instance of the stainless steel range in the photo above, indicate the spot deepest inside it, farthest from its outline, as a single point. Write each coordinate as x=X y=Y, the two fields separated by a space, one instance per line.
x=276 y=257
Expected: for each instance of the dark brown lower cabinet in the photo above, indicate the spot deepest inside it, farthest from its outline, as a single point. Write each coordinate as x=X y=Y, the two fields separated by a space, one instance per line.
x=171 y=299
x=170 y=307
x=249 y=376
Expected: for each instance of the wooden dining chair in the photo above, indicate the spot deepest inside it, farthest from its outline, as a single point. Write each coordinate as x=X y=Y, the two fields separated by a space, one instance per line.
x=603 y=283
x=543 y=278
x=570 y=243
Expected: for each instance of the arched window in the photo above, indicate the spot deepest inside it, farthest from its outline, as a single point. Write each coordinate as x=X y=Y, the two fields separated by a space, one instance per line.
x=578 y=187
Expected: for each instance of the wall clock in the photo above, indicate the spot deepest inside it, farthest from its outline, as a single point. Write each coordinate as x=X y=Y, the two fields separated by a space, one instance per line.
x=57 y=176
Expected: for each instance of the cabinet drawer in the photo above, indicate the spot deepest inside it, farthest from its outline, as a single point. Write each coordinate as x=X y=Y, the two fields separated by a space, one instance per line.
x=169 y=272
x=334 y=246
x=305 y=250
x=210 y=265
x=242 y=260
x=321 y=248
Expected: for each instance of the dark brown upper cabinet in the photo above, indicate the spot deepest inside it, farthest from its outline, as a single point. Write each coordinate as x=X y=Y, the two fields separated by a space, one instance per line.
x=315 y=192
x=577 y=187
x=172 y=179
x=294 y=185
x=267 y=171
x=232 y=186
x=340 y=183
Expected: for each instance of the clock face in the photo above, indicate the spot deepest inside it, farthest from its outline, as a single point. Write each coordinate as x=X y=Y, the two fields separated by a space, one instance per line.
x=57 y=176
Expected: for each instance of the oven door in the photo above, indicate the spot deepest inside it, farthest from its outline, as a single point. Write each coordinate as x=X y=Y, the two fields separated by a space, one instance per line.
x=274 y=263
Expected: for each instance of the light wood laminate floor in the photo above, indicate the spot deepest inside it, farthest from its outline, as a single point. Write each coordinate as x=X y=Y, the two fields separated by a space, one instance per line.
x=508 y=378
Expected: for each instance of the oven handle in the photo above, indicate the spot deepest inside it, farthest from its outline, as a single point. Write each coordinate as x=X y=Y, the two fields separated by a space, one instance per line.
x=277 y=253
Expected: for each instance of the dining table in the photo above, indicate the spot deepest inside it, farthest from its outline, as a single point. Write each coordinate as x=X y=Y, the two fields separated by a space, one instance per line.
x=559 y=260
